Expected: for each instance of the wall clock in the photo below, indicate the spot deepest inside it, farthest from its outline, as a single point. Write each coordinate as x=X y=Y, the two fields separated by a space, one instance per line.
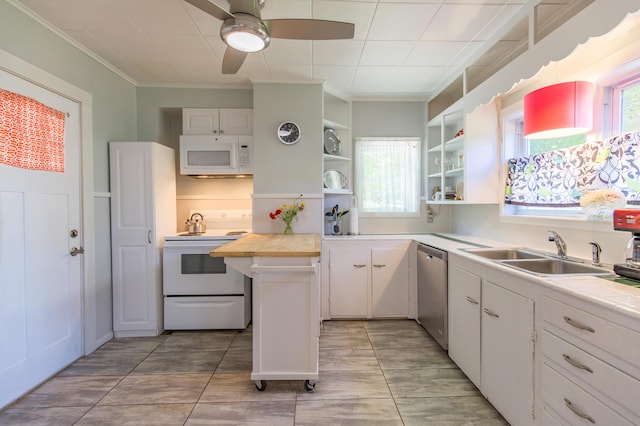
x=289 y=132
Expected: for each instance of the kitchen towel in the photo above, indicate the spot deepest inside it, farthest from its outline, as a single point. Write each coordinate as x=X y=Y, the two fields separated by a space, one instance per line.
x=353 y=221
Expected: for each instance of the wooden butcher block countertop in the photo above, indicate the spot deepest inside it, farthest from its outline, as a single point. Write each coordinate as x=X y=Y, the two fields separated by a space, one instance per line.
x=271 y=245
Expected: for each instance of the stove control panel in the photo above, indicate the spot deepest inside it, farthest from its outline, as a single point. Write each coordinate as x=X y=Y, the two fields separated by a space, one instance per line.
x=626 y=220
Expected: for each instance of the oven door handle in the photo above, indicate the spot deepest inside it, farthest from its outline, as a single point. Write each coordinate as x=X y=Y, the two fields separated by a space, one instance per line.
x=307 y=268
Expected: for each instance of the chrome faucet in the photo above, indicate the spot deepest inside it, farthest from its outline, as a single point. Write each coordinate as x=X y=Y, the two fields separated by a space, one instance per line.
x=595 y=253
x=560 y=244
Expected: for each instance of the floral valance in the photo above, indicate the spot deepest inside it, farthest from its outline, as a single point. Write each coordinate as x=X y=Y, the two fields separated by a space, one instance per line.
x=31 y=134
x=561 y=177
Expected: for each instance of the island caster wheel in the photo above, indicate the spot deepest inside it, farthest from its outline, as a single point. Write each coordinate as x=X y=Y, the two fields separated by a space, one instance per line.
x=261 y=385
x=309 y=385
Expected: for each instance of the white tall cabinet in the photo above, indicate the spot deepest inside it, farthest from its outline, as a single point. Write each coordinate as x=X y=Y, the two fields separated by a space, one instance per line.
x=143 y=211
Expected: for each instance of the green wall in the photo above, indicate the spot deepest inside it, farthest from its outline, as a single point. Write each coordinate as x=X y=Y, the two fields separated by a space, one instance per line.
x=280 y=168
x=114 y=98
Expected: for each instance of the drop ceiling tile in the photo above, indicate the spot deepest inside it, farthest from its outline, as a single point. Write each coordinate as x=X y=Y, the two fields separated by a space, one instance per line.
x=337 y=52
x=485 y=1
x=357 y=12
x=459 y=22
x=504 y=17
x=80 y=15
x=418 y=75
x=285 y=72
x=170 y=41
x=182 y=48
x=401 y=21
x=337 y=77
x=129 y=45
x=375 y=75
x=206 y=24
x=254 y=68
x=106 y=53
x=435 y=53
x=286 y=9
x=158 y=16
x=386 y=52
x=288 y=52
x=158 y=71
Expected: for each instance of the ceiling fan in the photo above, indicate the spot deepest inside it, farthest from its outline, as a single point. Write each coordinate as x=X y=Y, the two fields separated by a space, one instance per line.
x=244 y=31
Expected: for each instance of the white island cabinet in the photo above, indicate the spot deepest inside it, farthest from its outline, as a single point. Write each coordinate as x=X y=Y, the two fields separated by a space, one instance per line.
x=286 y=303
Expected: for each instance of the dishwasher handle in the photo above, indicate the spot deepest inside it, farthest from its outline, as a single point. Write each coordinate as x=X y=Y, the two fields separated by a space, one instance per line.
x=432 y=252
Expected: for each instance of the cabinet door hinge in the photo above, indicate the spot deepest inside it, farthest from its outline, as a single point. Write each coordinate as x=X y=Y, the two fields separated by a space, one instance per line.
x=533 y=412
x=534 y=336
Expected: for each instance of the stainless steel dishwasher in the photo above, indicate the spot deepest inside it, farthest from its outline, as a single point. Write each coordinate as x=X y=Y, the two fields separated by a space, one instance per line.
x=432 y=292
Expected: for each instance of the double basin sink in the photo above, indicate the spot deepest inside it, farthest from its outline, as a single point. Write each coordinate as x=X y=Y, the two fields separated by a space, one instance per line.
x=538 y=263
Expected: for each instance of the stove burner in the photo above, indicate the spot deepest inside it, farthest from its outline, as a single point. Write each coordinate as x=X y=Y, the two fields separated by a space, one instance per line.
x=236 y=232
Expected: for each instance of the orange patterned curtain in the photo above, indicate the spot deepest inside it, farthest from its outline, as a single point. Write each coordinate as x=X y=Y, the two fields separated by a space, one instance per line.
x=31 y=134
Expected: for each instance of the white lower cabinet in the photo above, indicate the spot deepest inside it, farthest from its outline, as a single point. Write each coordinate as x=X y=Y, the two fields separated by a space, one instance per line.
x=389 y=282
x=367 y=279
x=591 y=366
x=349 y=277
x=464 y=321
x=491 y=335
x=507 y=367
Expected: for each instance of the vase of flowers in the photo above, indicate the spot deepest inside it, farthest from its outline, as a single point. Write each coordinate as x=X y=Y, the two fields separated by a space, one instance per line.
x=288 y=212
x=600 y=204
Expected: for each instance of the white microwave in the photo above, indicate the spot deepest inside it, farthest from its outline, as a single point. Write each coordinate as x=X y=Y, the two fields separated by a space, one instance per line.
x=204 y=155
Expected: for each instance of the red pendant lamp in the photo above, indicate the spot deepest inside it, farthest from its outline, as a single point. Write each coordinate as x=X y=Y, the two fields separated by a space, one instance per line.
x=559 y=110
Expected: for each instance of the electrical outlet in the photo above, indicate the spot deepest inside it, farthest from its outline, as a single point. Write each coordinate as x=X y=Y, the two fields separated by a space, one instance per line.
x=429 y=214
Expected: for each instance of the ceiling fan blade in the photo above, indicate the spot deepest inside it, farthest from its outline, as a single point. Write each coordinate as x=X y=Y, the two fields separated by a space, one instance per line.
x=232 y=61
x=211 y=8
x=309 y=29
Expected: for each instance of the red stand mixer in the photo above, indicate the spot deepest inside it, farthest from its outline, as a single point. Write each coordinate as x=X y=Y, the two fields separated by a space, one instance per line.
x=629 y=220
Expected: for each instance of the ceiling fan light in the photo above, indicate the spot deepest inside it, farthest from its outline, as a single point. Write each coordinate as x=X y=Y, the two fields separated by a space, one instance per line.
x=246 y=35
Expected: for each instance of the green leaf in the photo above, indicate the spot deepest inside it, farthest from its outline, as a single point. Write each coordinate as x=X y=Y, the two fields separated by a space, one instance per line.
x=545 y=192
x=633 y=184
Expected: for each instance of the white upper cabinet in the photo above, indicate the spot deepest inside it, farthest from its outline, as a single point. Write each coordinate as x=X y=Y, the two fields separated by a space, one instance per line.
x=208 y=121
x=462 y=156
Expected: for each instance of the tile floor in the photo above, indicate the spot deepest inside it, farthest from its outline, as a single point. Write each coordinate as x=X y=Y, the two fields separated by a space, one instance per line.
x=371 y=373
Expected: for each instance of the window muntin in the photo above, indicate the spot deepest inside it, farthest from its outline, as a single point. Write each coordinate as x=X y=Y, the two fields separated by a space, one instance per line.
x=388 y=176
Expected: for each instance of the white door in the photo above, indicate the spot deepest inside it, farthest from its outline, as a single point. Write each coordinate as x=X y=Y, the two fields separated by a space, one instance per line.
x=41 y=283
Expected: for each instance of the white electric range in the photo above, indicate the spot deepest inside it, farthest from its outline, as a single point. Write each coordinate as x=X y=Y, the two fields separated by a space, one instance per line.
x=200 y=291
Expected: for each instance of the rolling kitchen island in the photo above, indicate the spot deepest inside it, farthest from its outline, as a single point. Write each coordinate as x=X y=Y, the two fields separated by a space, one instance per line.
x=285 y=305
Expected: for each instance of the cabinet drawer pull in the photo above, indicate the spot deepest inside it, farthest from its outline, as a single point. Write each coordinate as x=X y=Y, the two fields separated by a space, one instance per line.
x=380 y=265
x=576 y=324
x=576 y=364
x=491 y=313
x=472 y=300
x=578 y=412
x=359 y=266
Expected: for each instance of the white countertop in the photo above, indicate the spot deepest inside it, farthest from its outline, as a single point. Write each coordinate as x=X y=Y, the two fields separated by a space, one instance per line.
x=609 y=294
